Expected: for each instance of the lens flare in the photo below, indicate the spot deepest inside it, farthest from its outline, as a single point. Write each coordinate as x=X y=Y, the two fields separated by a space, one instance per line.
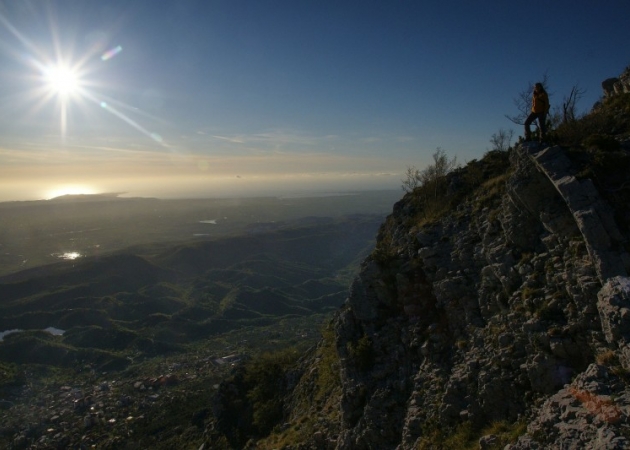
x=109 y=54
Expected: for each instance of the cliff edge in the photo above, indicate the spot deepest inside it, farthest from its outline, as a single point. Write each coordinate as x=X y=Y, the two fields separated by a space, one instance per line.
x=493 y=315
x=510 y=310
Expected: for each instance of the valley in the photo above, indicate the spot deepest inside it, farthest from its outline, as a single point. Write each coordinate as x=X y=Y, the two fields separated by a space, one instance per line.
x=143 y=335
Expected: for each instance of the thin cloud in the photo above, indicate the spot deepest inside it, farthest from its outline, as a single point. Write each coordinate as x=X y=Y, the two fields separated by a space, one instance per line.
x=275 y=139
x=235 y=140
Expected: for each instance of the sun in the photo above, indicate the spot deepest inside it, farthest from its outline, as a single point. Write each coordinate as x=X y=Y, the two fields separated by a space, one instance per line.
x=62 y=80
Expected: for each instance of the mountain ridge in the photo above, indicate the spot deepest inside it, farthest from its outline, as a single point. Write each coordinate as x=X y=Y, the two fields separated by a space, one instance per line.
x=496 y=319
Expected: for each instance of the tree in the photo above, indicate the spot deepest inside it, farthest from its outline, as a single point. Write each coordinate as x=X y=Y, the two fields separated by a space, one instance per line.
x=569 y=104
x=502 y=140
x=432 y=177
x=412 y=179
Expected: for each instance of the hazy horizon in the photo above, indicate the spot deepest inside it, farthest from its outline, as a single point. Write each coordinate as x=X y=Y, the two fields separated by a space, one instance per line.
x=236 y=188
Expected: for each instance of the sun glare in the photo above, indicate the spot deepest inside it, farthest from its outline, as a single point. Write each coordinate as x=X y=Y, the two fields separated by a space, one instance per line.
x=60 y=191
x=67 y=80
x=62 y=80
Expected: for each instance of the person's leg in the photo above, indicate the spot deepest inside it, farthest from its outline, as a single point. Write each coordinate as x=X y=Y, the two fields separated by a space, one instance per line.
x=528 y=122
x=542 y=124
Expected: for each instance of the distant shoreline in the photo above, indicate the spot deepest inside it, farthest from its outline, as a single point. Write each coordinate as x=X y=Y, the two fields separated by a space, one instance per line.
x=109 y=196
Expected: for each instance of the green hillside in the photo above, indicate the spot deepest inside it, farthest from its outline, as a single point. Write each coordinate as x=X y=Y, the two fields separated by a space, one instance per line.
x=161 y=298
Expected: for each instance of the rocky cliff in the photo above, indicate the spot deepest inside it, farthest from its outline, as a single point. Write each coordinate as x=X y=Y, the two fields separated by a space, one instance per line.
x=495 y=316
x=617 y=85
x=498 y=313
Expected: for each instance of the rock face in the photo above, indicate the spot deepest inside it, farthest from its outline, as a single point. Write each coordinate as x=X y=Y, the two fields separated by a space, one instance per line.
x=593 y=216
x=613 y=86
x=582 y=415
x=513 y=308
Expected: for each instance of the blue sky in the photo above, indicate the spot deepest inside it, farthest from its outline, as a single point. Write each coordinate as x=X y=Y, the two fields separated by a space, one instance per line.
x=212 y=98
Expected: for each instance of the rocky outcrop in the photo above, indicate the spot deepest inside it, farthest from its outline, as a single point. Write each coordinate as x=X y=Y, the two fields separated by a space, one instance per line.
x=620 y=85
x=592 y=215
x=614 y=310
x=513 y=309
x=587 y=414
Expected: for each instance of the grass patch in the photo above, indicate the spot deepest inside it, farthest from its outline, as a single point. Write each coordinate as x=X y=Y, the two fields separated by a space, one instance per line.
x=607 y=358
x=491 y=190
x=325 y=395
x=465 y=437
x=328 y=367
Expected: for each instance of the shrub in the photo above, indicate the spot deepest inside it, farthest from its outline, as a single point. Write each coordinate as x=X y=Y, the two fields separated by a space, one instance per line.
x=607 y=358
x=250 y=403
x=362 y=352
x=610 y=117
x=264 y=378
x=602 y=142
x=611 y=165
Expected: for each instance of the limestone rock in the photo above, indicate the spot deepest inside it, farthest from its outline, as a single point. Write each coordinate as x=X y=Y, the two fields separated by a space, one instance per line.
x=512 y=308
x=614 y=86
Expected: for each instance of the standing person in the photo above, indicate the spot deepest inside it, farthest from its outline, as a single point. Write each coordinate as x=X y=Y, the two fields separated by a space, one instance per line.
x=540 y=108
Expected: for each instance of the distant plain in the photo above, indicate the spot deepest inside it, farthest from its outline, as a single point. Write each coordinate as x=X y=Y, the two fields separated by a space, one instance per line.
x=34 y=233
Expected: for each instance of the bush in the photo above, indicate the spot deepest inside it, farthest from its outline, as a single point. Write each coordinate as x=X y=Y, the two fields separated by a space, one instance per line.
x=432 y=178
x=251 y=402
x=611 y=166
x=602 y=143
x=611 y=117
x=362 y=353
x=265 y=379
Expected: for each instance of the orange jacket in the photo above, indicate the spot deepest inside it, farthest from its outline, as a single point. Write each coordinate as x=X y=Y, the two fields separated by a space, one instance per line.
x=540 y=103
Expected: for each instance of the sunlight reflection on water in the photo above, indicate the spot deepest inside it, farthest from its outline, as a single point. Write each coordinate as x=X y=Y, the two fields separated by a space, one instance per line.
x=67 y=255
x=52 y=330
